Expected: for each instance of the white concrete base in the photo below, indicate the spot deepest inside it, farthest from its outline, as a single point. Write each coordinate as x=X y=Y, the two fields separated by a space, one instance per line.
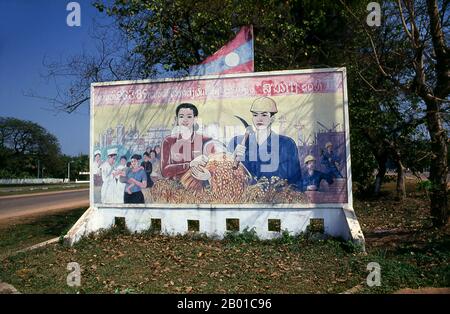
x=39 y=245
x=338 y=222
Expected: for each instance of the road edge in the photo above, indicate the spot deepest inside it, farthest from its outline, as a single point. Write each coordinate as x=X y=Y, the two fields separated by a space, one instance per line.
x=41 y=193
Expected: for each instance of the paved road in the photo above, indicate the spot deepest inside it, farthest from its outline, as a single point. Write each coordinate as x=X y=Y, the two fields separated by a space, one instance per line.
x=20 y=205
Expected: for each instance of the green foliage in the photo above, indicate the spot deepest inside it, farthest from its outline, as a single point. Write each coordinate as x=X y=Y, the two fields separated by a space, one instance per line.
x=181 y=33
x=22 y=144
x=351 y=247
x=363 y=164
x=286 y=238
x=288 y=35
x=111 y=233
x=78 y=164
x=246 y=236
x=151 y=231
x=199 y=236
x=399 y=273
x=26 y=148
x=386 y=114
x=424 y=185
x=6 y=173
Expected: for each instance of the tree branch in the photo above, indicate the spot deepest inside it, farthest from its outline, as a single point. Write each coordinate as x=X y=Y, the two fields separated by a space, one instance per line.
x=399 y=4
x=442 y=88
x=370 y=85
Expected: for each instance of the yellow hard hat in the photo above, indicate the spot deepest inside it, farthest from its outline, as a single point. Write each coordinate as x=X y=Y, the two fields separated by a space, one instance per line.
x=309 y=158
x=264 y=104
x=328 y=144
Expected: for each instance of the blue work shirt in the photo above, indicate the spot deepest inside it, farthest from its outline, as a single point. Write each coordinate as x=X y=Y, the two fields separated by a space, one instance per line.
x=329 y=161
x=262 y=160
x=139 y=175
x=315 y=178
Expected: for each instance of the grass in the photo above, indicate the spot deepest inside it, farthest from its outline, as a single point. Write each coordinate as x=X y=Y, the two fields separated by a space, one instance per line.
x=113 y=262
x=399 y=237
x=29 y=231
x=7 y=190
x=159 y=264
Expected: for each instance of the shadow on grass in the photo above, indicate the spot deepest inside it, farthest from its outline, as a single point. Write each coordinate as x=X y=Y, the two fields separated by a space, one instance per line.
x=30 y=231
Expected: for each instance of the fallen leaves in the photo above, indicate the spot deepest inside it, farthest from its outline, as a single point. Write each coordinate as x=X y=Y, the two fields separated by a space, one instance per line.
x=23 y=273
x=160 y=264
x=261 y=270
x=275 y=274
x=156 y=264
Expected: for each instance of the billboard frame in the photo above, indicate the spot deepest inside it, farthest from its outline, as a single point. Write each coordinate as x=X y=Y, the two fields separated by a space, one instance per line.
x=339 y=218
x=341 y=70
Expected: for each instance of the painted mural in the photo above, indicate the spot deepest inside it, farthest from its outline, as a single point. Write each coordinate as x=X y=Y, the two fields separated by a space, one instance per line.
x=259 y=138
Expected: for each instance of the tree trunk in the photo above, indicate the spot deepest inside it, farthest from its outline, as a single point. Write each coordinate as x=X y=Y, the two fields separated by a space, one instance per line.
x=397 y=157
x=379 y=151
x=381 y=173
x=438 y=167
x=401 y=190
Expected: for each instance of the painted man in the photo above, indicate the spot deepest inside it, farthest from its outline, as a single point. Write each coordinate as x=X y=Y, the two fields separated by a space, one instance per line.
x=108 y=176
x=97 y=168
x=312 y=178
x=121 y=179
x=331 y=161
x=148 y=167
x=266 y=153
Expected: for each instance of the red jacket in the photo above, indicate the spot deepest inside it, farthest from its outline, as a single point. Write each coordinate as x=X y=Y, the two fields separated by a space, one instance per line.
x=177 y=153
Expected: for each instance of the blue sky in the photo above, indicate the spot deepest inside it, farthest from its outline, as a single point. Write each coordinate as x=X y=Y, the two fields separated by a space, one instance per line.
x=31 y=30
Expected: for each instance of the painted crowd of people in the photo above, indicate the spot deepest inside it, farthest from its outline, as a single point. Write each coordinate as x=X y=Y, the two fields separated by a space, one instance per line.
x=122 y=182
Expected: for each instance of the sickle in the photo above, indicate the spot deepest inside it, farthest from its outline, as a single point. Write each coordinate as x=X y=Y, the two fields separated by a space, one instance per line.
x=246 y=125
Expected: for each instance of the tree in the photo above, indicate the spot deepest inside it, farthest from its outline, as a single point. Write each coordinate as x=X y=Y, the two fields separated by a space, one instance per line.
x=78 y=164
x=24 y=145
x=386 y=111
x=163 y=38
x=422 y=71
x=386 y=122
x=173 y=35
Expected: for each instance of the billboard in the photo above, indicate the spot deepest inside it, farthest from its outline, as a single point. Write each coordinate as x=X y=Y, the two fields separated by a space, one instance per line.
x=263 y=139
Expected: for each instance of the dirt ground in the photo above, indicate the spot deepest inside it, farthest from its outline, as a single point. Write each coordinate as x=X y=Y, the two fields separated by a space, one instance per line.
x=414 y=258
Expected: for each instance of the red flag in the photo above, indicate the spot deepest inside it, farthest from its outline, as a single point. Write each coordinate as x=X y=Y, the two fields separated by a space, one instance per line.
x=237 y=56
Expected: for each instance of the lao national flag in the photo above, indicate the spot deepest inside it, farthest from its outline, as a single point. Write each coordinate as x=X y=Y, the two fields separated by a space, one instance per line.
x=235 y=57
